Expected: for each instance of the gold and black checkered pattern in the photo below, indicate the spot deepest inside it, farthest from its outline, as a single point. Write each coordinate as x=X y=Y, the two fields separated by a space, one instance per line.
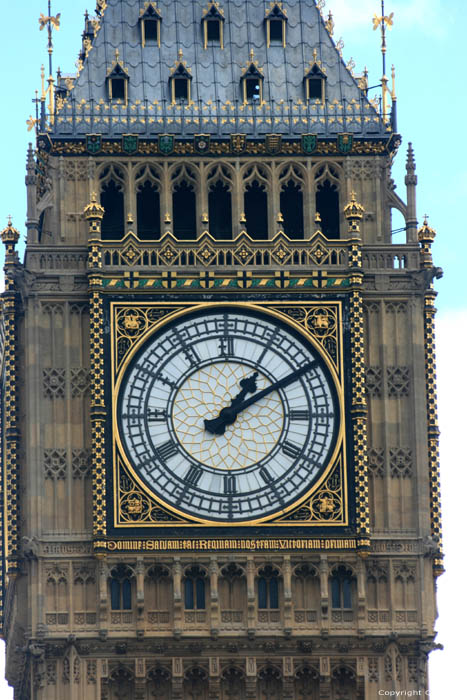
x=433 y=429
x=10 y=466
x=94 y=213
x=359 y=419
x=96 y=339
x=353 y=212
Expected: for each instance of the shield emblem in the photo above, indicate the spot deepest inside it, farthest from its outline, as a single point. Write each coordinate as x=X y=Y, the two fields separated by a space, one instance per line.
x=309 y=142
x=93 y=143
x=237 y=143
x=244 y=279
x=273 y=143
x=44 y=143
x=166 y=144
x=345 y=142
x=129 y=143
x=202 y=143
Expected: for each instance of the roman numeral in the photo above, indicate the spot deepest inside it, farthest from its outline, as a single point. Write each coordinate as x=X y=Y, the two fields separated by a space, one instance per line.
x=167 y=450
x=299 y=415
x=265 y=475
x=156 y=415
x=291 y=450
x=194 y=475
x=227 y=345
x=230 y=484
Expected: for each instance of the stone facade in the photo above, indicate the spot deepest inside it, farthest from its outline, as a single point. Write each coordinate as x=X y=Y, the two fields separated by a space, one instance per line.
x=91 y=614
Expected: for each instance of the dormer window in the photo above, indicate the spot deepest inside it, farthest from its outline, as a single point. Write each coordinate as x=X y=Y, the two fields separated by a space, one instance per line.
x=253 y=90
x=150 y=22
x=315 y=84
x=276 y=24
x=180 y=82
x=213 y=25
x=252 y=82
x=181 y=89
x=117 y=81
x=117 y=89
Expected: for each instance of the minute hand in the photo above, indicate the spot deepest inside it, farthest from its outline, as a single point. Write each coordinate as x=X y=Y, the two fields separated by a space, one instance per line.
x=227 y=416
x=285 y=381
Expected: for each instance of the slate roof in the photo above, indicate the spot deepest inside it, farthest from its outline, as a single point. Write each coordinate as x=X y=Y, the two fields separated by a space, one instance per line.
x=216 y=75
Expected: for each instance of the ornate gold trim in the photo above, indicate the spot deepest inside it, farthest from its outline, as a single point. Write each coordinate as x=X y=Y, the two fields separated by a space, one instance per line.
x=132 y=324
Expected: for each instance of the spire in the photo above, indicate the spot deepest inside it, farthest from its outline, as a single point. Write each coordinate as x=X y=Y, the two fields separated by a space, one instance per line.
x=31 y=189
x=411 y=184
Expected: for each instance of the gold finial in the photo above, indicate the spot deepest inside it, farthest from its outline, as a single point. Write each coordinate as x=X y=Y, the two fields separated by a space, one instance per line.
x=94 y=210
x=117 y=55
x=180 y=54
x=384 y=21
x=317 y=218
x=9 y=235
x=315 y=55
x=51 y=22
x=54 y=21
x=167 y=219
x=242 y=218
x=426 y=234
x=280 y=218
x=354 y=210
x=393 y=76
x=252 y=55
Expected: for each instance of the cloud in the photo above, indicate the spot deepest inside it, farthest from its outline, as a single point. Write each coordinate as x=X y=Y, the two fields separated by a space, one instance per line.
x=426 y=16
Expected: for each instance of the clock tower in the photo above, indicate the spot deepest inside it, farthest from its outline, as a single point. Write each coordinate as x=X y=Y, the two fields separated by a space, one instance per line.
x=218 y=407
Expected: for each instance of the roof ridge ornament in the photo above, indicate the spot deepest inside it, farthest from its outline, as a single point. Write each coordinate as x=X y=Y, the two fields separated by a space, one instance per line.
x=213 y=9
x=329 y=23
x=276 y=9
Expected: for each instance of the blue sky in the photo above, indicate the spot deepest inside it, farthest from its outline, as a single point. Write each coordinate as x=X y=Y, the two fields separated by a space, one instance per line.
x=427 y=48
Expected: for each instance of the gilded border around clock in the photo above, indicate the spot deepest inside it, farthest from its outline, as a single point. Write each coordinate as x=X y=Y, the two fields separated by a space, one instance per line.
x=135 y=505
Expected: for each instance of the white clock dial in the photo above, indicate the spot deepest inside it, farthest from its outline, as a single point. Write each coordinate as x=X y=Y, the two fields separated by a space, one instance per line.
x=228 y=415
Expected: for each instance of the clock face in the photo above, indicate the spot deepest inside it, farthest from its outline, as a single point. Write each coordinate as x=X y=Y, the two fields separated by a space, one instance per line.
x=228 y=415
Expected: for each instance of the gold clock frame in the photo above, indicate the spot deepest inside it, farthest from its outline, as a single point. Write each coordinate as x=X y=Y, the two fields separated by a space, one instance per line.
x=136 y=506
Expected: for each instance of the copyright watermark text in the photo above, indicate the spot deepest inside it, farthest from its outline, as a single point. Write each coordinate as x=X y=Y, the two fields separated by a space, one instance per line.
x=404 y=693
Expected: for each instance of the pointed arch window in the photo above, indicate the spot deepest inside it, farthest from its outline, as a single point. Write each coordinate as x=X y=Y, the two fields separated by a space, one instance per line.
x=117 y=81
x=220 y=203
x=268 y=588
x=180 y=83
x=276 y=25
x=112 y=199
x=148 y=204
x=327 y=201
x=315 y=81
x=195 y=588
x=121 y=587
x=184 y=204
x=213 y=25
x=291 y=203
x=256 y=210
x=342 y=588
x=150 y=22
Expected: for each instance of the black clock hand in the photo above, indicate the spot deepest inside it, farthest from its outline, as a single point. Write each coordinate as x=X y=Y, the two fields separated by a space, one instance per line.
x=229 y=414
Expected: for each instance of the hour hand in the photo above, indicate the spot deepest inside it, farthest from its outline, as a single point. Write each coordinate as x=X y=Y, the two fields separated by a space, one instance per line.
x=228 y=415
